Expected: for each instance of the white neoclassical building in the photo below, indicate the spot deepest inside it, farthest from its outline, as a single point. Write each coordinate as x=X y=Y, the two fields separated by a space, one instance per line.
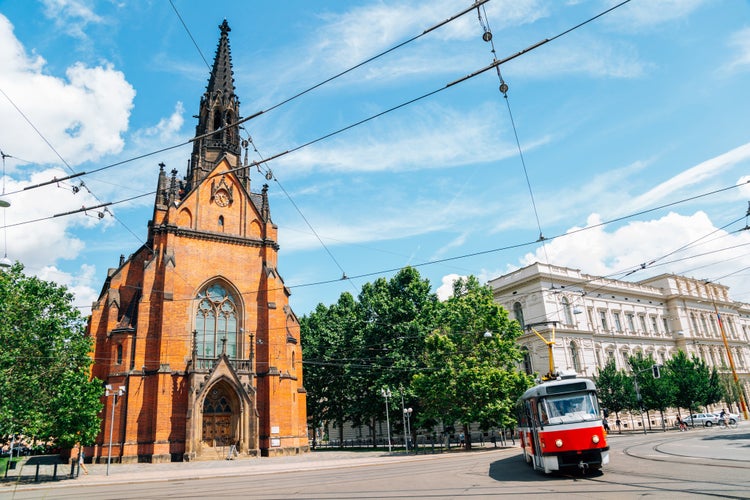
x=596 y=318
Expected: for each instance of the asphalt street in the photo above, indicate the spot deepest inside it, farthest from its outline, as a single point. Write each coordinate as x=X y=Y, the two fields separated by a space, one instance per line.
x=695 y=444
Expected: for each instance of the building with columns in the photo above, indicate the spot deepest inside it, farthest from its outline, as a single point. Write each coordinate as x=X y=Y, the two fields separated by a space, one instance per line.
x=193 y=331
x=598 y=318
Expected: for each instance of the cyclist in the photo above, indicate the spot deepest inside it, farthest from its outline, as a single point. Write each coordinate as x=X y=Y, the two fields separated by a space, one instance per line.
x=723 y=417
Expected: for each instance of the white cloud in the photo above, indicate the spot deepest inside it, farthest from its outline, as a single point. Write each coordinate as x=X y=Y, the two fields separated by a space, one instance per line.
x=81 y=285
x=71 y=16
x=433 y=137
x=698 y=175
x=639 y=15
x=740 y=43
x=83 y=117
x=445 y=290
x=680 y=244
x=582 y=55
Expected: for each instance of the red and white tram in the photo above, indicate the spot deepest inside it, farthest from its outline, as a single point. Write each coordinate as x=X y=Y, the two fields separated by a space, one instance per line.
x=560 y=428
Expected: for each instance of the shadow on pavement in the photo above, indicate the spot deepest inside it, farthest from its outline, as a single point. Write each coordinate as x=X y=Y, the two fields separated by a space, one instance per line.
x=515 y=469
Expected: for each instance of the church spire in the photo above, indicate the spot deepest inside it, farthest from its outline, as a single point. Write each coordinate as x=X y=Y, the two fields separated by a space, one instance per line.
x=219 y=109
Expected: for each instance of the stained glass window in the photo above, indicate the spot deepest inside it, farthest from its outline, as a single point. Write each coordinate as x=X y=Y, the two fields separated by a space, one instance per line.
x=215 y=320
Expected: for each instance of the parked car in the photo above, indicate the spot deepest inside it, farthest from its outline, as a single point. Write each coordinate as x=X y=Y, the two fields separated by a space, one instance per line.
x=705 y=419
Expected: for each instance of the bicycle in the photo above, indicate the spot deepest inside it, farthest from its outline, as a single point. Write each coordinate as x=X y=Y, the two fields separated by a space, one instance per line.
x=728 y=423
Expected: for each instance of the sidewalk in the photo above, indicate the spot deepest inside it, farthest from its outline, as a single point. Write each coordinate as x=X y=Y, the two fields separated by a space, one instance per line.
x=146 y=472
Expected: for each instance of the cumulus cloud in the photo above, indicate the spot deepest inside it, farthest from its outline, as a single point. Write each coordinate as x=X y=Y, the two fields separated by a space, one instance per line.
x=445 y=290
x=674 y=243
x=82 y=116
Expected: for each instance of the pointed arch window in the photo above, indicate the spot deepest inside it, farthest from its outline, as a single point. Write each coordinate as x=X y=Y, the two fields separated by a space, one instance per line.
x=216 y=319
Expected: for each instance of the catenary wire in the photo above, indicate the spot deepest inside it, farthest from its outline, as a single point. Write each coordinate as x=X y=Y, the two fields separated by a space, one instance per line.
x=493 y=65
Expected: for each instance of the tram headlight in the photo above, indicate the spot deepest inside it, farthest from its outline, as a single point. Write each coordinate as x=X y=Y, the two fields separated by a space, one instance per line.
x=595 y=438
x=558 y=443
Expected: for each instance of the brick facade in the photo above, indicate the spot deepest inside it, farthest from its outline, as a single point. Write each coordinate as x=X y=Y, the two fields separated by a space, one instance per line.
x=195 y=325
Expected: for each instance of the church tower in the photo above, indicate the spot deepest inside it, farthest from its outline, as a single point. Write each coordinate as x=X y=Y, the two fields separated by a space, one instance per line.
x=194 y=335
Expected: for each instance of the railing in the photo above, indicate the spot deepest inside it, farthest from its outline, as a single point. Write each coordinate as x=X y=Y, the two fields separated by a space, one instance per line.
x=209 y=363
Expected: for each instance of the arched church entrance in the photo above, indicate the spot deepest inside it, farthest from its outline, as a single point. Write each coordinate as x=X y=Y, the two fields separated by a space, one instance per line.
x=220 y=417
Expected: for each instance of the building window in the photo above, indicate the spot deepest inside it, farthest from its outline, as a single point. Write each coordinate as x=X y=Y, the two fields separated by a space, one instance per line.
x=574 y=357
x=216 y=322
x=695 y=323
x=642 y=320
x=703 y=322
x=119 y=354
x=654 y=325
x=568 y=312
x=518 y=313
x=631 y=324
x=732 y=331
x=713 y=326
x=618 y=323
x=603 y=318
x=665 y=323
x=527 y=367
x=221 y=222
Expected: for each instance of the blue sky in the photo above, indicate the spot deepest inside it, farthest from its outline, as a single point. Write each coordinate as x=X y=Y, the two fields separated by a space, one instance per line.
x=641 y=108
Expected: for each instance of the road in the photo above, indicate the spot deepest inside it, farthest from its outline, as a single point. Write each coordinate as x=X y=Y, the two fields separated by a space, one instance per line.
x=697 y=464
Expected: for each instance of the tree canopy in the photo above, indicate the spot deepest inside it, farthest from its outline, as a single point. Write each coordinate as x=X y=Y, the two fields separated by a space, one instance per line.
x=45 y=390
x=433 y=355
x=470 y=371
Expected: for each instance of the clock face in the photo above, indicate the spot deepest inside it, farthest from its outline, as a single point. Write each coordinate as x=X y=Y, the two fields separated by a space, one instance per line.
x=221 y=198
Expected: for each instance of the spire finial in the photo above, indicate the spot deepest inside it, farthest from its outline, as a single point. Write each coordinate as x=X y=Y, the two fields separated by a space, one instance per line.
x=224 y=27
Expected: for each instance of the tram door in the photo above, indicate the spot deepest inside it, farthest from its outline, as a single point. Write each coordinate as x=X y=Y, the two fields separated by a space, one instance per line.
x=534 y=423
x=217 y=419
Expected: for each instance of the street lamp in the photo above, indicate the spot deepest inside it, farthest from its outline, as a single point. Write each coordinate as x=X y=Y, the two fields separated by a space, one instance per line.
x=407 y=414
x=112 y=392
x=387 y=394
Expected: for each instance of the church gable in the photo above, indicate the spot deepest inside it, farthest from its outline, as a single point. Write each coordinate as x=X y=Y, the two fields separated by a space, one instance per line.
x=221 y=204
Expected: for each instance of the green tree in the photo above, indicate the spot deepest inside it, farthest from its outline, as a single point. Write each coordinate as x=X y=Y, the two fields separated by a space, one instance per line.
x=45 y=390
x=330 y=343
x=656 y=393
x=397 y=316
x=470 y=363
x=614 y=387
x=690 y=378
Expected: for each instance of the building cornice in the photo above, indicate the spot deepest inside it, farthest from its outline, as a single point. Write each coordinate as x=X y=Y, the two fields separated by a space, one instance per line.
x=214 y=237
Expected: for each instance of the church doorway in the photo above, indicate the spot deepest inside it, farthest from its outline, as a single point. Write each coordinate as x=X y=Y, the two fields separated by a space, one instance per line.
x=219 y=417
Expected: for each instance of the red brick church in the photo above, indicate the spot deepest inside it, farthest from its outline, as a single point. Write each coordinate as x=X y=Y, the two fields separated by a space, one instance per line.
x=194 y=329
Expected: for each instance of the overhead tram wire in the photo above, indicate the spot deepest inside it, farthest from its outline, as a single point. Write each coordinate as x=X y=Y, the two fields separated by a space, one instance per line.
x=270 y=174
x=258 y=113
x=487 y=36
x=493 y=65
x=611 y=276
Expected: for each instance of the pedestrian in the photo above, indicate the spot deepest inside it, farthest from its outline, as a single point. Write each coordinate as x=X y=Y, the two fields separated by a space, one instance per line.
x=81 y=463
x=605 y=423
x=462 y=439
x=618 y=424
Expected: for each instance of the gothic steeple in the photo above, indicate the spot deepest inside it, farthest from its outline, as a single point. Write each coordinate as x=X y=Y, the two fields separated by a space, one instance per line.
x=219 y=109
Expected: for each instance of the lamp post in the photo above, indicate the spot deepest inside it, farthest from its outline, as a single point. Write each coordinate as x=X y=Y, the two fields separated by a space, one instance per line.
x=112 y=392
x=407 y=414
x=386 y=393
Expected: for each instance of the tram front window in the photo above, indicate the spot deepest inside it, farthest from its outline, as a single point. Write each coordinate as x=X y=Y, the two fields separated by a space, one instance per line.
x=569 y=408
